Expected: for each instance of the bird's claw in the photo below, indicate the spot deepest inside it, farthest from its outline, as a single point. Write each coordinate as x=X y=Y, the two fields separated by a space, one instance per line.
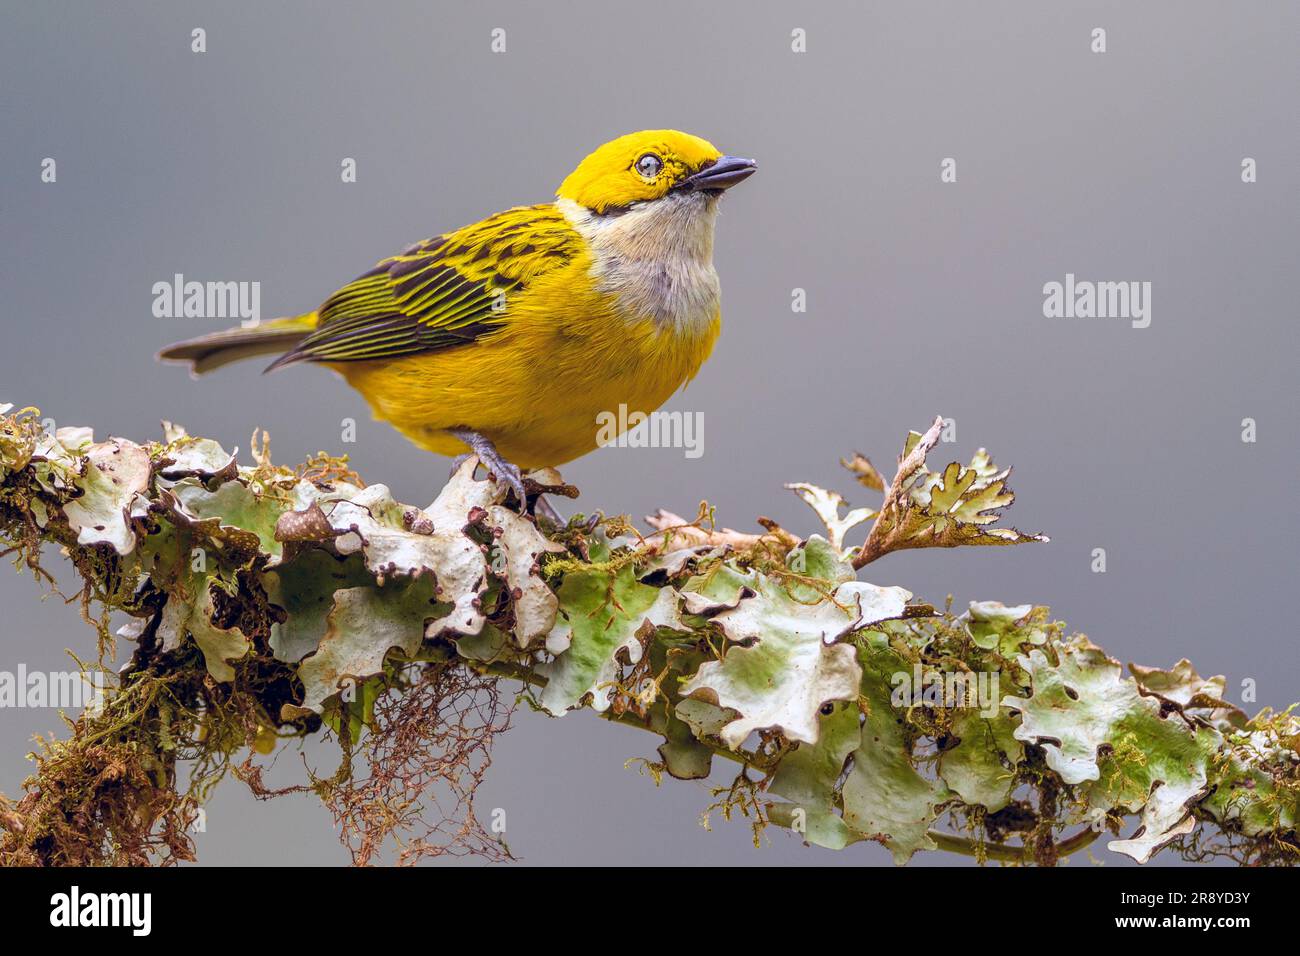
x=502 y=470
x=491 y=459
x=457 y=462
x=497 y=467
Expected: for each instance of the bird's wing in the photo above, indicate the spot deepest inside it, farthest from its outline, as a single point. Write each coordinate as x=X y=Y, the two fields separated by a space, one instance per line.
x=446 y=291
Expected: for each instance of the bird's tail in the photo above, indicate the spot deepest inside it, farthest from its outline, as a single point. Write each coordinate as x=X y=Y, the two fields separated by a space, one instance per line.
x=230 y=345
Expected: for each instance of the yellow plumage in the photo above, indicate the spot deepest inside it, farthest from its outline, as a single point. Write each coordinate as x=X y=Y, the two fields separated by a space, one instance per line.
x=537 y=387
x=520 y=330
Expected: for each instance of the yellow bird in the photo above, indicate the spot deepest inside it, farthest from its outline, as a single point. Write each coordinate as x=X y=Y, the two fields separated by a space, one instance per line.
x=512 y=335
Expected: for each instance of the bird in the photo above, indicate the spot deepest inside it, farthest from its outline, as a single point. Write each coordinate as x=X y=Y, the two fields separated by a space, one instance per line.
x=510 y=338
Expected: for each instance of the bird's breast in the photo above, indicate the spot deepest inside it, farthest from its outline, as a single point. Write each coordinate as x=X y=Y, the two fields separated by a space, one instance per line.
x=679 y=295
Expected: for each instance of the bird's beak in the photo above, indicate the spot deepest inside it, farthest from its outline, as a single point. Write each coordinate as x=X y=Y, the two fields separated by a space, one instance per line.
x=723 y=174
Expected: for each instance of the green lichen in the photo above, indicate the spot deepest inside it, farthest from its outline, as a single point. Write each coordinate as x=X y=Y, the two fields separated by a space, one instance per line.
x=267 y=603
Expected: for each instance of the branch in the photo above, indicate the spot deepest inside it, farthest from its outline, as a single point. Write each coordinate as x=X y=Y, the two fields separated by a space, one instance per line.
x=265 y=604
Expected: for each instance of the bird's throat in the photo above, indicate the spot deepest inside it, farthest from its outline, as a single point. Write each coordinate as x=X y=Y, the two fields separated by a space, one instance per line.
x=656 y=258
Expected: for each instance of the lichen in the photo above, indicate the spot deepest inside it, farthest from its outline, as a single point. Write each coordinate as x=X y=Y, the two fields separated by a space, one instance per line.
x=267 y=604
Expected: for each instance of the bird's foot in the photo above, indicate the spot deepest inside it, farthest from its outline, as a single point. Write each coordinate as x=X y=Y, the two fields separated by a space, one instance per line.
x=491 y=459
x=457 y=462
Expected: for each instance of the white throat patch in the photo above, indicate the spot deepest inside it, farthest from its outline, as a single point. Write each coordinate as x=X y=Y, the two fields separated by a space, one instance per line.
x=657 y=257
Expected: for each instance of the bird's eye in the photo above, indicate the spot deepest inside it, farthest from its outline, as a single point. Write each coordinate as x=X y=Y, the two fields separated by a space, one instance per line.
x=649 y=165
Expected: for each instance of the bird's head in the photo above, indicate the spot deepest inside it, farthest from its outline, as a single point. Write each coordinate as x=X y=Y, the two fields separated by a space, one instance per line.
x=648 y=166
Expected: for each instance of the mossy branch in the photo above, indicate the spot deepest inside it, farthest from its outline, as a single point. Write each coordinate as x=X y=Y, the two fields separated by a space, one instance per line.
x=265 y=603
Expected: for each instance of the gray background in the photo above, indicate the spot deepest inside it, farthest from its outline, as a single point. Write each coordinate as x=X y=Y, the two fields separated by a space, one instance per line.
x=922 y=297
